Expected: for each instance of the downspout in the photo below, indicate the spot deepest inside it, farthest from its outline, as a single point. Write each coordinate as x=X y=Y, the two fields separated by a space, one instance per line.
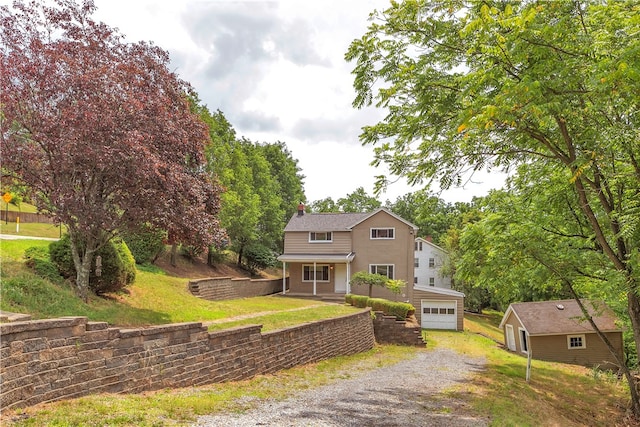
x=284 y=277
x=348 y=276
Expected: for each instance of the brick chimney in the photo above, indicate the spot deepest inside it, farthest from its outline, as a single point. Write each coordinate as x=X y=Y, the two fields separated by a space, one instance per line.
x=428 y=239
x=300 y=209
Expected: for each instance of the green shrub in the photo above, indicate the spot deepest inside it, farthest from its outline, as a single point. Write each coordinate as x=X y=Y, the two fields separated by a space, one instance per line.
x=37 y=259
x=377 y=304
x=359 y=301
x=258 y=256
x=401 y=310
x=191 y=253
x=118 y=265
x=146 y=245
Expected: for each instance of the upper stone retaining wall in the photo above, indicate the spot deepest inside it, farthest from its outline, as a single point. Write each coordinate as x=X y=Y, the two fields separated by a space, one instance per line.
x=56 y=359
x=225 y=288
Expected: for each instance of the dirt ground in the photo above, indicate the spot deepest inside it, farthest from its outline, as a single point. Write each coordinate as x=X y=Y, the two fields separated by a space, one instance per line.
x=198 y=269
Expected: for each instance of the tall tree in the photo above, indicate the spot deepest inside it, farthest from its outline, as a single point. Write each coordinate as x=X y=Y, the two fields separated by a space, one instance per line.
x=499 y=84
x=100 y=130
x=358 y=201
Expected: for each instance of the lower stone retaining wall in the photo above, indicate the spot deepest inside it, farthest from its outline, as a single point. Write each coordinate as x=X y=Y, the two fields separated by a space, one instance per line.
x=389 y=330
x=56 y=359
x=225 y=288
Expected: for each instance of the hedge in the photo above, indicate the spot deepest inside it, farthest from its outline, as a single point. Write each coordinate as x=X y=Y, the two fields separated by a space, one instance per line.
x=401 y=310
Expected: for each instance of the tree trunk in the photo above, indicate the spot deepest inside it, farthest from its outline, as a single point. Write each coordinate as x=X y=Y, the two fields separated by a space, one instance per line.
x=240 y=253
x=82 y=255
x=210 y=256
x=174 y=255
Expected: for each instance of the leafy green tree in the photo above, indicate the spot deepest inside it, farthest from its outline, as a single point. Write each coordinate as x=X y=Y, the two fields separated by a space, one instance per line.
x=362 y=278
x=553 y=84
x=358 y=201
x=324 y=205
x=431 y=214
x=286 y=171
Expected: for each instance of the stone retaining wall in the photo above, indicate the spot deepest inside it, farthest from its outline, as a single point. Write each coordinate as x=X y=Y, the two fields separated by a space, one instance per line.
x=388 y=330
x=225 y=288
x=56 y=359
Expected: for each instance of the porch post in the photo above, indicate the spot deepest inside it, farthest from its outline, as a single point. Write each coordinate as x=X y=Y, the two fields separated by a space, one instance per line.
x=315 y=272
x=348 y=277
x=284 y=277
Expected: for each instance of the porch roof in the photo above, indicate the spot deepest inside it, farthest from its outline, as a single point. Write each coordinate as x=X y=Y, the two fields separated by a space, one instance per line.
x=339 y=258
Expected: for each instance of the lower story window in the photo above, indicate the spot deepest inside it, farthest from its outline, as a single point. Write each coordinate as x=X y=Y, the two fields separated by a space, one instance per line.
x=382 y=269
x=321 y=273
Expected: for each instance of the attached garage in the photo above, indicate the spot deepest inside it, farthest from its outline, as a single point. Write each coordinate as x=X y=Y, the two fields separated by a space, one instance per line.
x=439 y=308
x=438 y=314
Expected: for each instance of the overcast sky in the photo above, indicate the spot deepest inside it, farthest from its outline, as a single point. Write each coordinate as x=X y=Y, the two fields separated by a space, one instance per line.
x=277 y=72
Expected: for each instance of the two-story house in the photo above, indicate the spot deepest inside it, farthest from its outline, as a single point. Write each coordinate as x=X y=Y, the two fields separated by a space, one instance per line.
x=429 y=261
x=323 y=250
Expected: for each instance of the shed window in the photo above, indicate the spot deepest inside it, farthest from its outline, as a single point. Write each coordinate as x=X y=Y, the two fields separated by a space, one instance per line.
x=576 y=341
x=382 y=233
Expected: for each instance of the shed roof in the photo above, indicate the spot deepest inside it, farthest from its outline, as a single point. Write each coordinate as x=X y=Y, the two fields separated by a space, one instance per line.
x=561 y=317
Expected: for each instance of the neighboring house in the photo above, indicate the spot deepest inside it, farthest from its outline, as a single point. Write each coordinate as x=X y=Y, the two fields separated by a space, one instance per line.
x=428 y=263
x=557 y=331
x=323 y=250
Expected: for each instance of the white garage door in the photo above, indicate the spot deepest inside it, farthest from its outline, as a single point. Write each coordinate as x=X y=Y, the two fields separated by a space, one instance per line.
x=439 y=314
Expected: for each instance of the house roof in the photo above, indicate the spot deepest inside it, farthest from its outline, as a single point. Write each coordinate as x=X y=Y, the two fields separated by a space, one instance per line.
x=333 y=221
x=317 y=257
x=430 y=243
x=561 y=317
x=440 y=291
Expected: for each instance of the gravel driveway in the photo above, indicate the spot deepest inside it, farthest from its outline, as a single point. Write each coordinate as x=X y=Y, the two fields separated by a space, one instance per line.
x=405 y=394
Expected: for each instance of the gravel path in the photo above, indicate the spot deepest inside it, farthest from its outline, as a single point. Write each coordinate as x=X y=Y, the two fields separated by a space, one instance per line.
x=405 y=394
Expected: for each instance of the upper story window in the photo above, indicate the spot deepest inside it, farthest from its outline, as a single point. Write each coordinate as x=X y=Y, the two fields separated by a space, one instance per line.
x=432 y=262
x=382 y=269
x=416 y=262
x=418 y=246
x=382 y=233
x=320 y=236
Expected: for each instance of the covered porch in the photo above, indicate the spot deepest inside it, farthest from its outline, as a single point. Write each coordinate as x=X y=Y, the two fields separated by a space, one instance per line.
x=317 y=274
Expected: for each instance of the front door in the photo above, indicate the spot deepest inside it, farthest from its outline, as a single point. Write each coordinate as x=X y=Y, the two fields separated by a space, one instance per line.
x=340 y=278
x=511 y=339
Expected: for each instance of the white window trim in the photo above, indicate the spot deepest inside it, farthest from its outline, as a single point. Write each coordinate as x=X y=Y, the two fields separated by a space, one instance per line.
x=522 y=349
x=385 y=265
x=584 y=341
x=318 y=266
x=382 y=228
x=320 y=241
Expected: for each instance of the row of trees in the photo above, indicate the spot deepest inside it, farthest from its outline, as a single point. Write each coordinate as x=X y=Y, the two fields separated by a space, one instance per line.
x=262 y=188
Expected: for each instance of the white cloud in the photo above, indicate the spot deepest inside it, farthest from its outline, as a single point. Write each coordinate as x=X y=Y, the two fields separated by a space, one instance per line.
x=277 y=71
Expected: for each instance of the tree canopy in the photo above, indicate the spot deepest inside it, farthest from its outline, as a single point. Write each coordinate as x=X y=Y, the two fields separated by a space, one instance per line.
x=551 y=85
x=100 y=130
